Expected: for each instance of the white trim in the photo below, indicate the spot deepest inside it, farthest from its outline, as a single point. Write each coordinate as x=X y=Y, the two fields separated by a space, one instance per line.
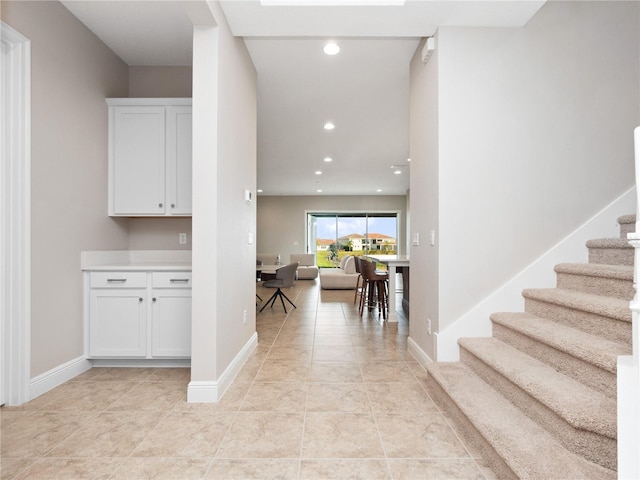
x=539 y=274
x=628 y=418
x=141 y=363
x=203 y=392
x=15 y=195
x=148 y=101
x=212 y=391
x=58 y=375
x=420 y=355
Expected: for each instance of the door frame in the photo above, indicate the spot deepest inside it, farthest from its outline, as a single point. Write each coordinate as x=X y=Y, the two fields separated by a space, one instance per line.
x=15 y=217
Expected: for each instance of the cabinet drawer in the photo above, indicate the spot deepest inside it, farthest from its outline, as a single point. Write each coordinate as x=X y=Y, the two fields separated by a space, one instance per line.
x=171 y=280
x=118 y=280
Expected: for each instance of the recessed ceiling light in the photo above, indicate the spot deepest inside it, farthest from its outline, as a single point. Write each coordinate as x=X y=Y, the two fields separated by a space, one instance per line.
x=328 y=159
x=319 y=190
x=398 y=172
x=329 y=126
x=259 y=190
x=331 y=48
x=318 y=172
x=379 y=190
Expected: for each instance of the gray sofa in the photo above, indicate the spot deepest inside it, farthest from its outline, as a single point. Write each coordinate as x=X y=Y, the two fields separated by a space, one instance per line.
x=343 y=278
x=307 y=268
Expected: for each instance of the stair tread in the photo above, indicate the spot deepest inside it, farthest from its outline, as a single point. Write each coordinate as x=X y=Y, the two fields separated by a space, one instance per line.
x=622 y=272
x=591 y=348
x=528 y=449
x=580 y=406
x=608 y=243
x=587 y=302
x=629 y=218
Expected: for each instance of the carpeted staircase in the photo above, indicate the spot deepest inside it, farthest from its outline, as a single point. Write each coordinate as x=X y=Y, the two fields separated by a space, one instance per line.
x=538 y=398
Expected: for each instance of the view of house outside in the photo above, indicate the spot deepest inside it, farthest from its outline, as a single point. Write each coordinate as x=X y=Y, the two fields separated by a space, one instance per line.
x=364 y=234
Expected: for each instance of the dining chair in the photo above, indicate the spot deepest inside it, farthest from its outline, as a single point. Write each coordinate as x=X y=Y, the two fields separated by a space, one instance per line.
x=284 y=278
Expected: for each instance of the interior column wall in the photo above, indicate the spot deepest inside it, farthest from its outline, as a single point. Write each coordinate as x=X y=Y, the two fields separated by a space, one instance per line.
x=424 y=148
x=224 y=166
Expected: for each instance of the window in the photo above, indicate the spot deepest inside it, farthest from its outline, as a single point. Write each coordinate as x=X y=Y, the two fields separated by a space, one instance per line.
x=332 y=235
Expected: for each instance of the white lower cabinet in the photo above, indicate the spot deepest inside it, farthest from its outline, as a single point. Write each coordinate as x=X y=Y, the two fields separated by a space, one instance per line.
x=127 y=321
x=171 y=302
x=118 y=323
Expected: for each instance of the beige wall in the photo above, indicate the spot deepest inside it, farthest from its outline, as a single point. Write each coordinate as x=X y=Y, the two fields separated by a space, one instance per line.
x=71 y=74
x=160 y=82
x=282 y=220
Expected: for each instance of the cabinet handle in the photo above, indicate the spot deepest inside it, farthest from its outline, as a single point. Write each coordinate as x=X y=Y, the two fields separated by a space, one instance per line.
x=154 y=299
x=140 y=299
x=160 y=205
x=116 y=280
x=173 y=205
x=179 y=280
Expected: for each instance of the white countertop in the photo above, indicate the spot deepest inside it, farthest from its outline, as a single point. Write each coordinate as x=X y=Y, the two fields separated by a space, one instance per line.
x=136 y=260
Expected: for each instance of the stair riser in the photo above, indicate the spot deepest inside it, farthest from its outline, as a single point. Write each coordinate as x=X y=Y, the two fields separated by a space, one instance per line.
x=611 y=256
x=626 y=228
x=593 y=446
x=605 y=327
x=591 y=375
x=610 y=287
x=627 y=224
x=469 y=431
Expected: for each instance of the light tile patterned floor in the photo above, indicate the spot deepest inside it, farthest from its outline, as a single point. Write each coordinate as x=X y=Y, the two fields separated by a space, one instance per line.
x=327 y=395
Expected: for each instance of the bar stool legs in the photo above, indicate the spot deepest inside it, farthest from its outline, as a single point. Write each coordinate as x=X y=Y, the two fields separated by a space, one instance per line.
x=374 y=290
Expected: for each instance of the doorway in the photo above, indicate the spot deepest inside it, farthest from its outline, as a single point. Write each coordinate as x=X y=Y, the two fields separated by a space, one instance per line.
x=15 y=164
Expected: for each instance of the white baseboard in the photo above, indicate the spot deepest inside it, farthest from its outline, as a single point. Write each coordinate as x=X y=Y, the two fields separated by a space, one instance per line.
x=420 y=355
x=143 y=362
x=57 y=376
x=539 y=274
x=211 y=391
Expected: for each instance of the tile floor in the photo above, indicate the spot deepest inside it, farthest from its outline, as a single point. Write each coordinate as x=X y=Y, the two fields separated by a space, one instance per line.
x=326 y=395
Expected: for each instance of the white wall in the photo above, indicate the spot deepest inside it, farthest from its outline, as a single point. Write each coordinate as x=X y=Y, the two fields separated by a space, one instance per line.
x=237 y=153
x=424 y=198
x=72 y=73
x=534 y=137
x=282 y=219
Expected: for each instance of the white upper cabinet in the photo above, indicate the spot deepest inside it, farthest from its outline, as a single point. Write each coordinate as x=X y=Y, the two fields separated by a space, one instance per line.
x=149 y=157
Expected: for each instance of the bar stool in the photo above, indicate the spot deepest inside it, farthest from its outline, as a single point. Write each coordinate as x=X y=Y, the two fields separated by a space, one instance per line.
x=374 y=291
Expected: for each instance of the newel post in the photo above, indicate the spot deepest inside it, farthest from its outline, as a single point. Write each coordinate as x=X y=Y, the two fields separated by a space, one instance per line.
x=629 y=366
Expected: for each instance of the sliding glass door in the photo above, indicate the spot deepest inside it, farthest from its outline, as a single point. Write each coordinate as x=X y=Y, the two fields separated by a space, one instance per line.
x=332 y=235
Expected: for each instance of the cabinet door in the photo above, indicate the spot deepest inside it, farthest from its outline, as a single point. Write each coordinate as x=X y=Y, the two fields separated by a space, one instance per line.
x=171 y=323
x=138 y=164
x=179 y=141
x=117 y=323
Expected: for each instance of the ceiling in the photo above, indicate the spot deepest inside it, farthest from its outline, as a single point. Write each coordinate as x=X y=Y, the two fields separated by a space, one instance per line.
x=364 y=90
